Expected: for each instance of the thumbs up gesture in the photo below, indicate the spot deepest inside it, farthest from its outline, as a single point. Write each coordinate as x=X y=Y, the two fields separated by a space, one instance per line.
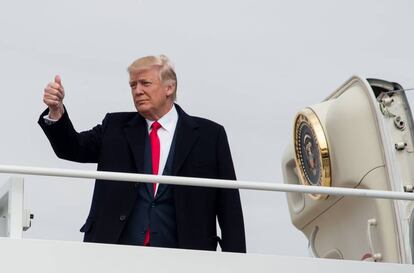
x=53 y=98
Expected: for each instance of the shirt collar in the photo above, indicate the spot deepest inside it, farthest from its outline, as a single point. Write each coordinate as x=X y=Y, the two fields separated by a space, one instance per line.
x=167 y=121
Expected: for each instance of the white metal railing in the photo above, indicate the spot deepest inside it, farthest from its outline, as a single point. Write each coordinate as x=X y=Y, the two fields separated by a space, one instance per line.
x=14 y=218
x=11 y=208
x=52 y=256
x=203 y=182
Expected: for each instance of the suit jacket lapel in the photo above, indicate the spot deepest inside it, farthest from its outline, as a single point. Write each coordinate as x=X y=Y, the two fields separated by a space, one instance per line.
x=187 y=136
x=136 y=132
x=168 y=166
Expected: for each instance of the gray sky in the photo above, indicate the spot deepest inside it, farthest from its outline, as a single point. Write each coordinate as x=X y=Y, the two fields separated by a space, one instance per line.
x=249 y=65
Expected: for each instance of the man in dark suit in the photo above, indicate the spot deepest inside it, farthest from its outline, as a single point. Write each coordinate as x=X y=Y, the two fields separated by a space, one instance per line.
x=160 y=138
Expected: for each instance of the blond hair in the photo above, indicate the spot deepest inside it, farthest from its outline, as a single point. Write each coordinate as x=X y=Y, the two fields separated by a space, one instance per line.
x=165 y=68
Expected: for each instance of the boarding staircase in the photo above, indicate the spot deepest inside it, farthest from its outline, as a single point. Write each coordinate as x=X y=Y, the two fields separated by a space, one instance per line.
x=46 y=256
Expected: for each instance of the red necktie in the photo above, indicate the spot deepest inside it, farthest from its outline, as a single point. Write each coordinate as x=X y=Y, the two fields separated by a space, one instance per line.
x=155 y=149
x=155 y=154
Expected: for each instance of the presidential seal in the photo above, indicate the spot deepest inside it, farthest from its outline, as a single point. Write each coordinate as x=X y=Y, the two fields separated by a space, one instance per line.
x=311 y=151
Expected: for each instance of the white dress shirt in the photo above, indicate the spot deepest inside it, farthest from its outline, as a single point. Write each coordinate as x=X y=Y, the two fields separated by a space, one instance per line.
x=168 y=124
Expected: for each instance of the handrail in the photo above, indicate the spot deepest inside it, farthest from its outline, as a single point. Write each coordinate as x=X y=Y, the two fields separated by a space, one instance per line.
x=204 y=182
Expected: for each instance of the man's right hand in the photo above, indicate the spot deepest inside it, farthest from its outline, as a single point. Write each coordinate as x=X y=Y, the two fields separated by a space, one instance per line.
x=53 y=98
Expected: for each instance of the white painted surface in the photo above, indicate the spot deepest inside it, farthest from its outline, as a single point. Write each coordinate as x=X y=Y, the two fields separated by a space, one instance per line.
x=64 y=257
x=11 y=208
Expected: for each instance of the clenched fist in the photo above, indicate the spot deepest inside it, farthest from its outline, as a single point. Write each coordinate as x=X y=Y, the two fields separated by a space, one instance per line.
x=53 y=98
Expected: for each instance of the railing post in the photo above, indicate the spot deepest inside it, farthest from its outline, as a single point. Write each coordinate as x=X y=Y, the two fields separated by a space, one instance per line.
x=11 y=208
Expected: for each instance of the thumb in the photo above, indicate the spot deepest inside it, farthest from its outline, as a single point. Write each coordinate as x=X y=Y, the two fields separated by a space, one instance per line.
x=58 y=80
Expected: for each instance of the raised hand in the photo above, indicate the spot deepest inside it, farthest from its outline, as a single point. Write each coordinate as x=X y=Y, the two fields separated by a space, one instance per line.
x=53 y=98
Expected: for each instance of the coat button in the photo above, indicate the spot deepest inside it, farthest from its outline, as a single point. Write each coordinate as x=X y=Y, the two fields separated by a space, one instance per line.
x=153 y=205
x=122 y=218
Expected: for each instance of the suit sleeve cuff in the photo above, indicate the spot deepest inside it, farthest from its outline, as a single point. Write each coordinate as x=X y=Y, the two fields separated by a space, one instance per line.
x=50 y=121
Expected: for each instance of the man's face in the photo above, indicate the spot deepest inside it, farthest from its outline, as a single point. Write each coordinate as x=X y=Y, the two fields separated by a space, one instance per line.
x=151 y=97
